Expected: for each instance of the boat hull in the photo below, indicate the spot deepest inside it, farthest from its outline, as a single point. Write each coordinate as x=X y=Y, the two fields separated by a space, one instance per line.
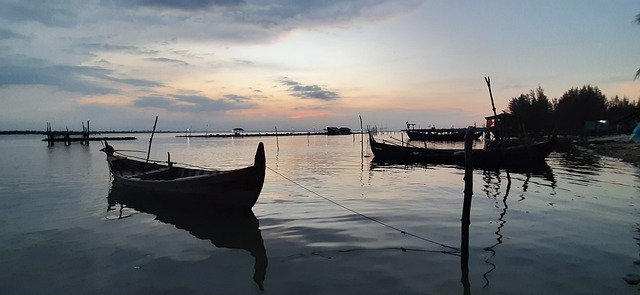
x=230 y=189
x=514 y=156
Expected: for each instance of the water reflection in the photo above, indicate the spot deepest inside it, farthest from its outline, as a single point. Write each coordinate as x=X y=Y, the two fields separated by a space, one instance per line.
x=225 y=229
x=497 y=185
x=491 y=188
x=577 y=161
x=493 y=184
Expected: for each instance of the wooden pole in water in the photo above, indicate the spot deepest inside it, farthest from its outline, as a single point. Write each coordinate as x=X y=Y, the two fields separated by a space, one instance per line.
x=361 y=139
x=49 y=135
x=277 y=144
x=466 y=207
x=67 y=138
x=151 y=138
x=88 y=132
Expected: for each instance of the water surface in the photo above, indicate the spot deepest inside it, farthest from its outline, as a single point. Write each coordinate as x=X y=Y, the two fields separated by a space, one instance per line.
x=329 y=220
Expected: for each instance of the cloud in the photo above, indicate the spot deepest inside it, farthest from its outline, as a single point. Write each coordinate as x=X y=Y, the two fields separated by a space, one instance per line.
x=237 y=98
x=195 y=103
x=250 y=21
x=308 y=91
x=48 y=13
x=187 y=5
x=8 y=34
x=168 y=61
x=295 y=13
x=153 y=102
x=106 y=47
x=19 y=70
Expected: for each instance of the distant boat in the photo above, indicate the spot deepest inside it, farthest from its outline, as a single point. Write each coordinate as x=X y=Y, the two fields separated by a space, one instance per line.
x=438 y=134
x=338 y=131
x=501 y=149
x=237 y=189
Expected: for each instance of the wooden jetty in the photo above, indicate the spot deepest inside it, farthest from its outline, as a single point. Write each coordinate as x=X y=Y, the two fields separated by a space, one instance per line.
x=76 y=136
x=251 y=134
x=239 y=133
x=257 y=134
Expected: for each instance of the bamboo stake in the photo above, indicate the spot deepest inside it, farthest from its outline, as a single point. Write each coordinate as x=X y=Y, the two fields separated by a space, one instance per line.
x=151 y=138
x=466 y=207
x=277 y=144
x=361 y=139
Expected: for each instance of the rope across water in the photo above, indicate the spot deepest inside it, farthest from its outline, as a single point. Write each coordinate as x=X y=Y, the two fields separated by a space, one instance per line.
x=363 y=215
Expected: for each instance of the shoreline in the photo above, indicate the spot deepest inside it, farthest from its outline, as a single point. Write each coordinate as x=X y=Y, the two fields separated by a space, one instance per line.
x=619 y=147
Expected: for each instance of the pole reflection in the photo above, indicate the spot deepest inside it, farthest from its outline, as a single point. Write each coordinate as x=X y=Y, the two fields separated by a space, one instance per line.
x=493 y=182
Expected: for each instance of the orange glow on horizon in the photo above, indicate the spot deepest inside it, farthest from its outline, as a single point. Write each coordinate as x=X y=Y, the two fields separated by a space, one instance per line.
x=292 y=114
x=106 y=101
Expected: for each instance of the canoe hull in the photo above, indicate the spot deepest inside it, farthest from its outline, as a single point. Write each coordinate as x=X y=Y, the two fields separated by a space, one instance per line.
x=234 y=188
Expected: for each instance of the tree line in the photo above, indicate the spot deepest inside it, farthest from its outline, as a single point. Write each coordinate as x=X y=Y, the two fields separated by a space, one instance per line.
x=568 y=114
x=576 y=106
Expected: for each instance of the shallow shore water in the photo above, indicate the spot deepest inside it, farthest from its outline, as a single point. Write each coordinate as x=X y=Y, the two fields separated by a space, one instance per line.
x=620 y=147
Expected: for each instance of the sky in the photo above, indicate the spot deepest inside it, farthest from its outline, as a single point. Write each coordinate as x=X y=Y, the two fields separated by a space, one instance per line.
x=213 y=65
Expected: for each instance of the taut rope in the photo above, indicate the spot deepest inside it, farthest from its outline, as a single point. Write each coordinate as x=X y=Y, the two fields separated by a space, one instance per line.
x=363 y=215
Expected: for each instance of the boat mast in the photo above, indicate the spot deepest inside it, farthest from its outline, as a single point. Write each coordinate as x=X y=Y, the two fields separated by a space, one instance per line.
x=488 y=80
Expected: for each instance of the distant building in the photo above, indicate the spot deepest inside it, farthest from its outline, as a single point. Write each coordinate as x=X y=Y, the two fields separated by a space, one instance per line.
x=238 y=131
x=600 y=127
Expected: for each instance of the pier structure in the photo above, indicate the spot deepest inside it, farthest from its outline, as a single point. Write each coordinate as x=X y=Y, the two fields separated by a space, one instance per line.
x=76 y=136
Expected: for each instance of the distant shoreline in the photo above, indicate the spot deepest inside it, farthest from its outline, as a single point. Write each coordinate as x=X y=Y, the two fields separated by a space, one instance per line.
x=185 y=134
x=31 y=132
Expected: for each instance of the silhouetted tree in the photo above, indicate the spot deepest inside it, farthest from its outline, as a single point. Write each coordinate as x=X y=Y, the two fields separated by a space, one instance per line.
x=579 y=105
x=534 y=108
x=623 y=113
x=621 y=108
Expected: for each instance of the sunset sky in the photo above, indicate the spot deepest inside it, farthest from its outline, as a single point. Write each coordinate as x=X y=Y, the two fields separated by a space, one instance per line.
x=256 y=64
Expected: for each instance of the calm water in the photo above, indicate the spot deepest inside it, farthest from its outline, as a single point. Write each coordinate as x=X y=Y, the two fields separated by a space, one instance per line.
x=571 y=229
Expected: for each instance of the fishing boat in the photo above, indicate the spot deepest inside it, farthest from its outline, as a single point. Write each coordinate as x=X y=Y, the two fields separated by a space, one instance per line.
x=438 y=134
x=505 y=146
x=237 y=188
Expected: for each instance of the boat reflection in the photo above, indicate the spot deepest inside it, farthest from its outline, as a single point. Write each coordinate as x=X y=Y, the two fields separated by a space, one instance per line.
x=539 y=169
x=225 y=229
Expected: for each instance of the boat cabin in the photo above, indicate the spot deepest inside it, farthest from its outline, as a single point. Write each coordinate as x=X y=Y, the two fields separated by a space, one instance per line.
x=504 y=129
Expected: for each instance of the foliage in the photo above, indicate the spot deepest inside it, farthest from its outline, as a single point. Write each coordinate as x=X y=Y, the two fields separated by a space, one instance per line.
x=579 y=105
x=570 y=112
x=622 y=109
x=534 y=108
